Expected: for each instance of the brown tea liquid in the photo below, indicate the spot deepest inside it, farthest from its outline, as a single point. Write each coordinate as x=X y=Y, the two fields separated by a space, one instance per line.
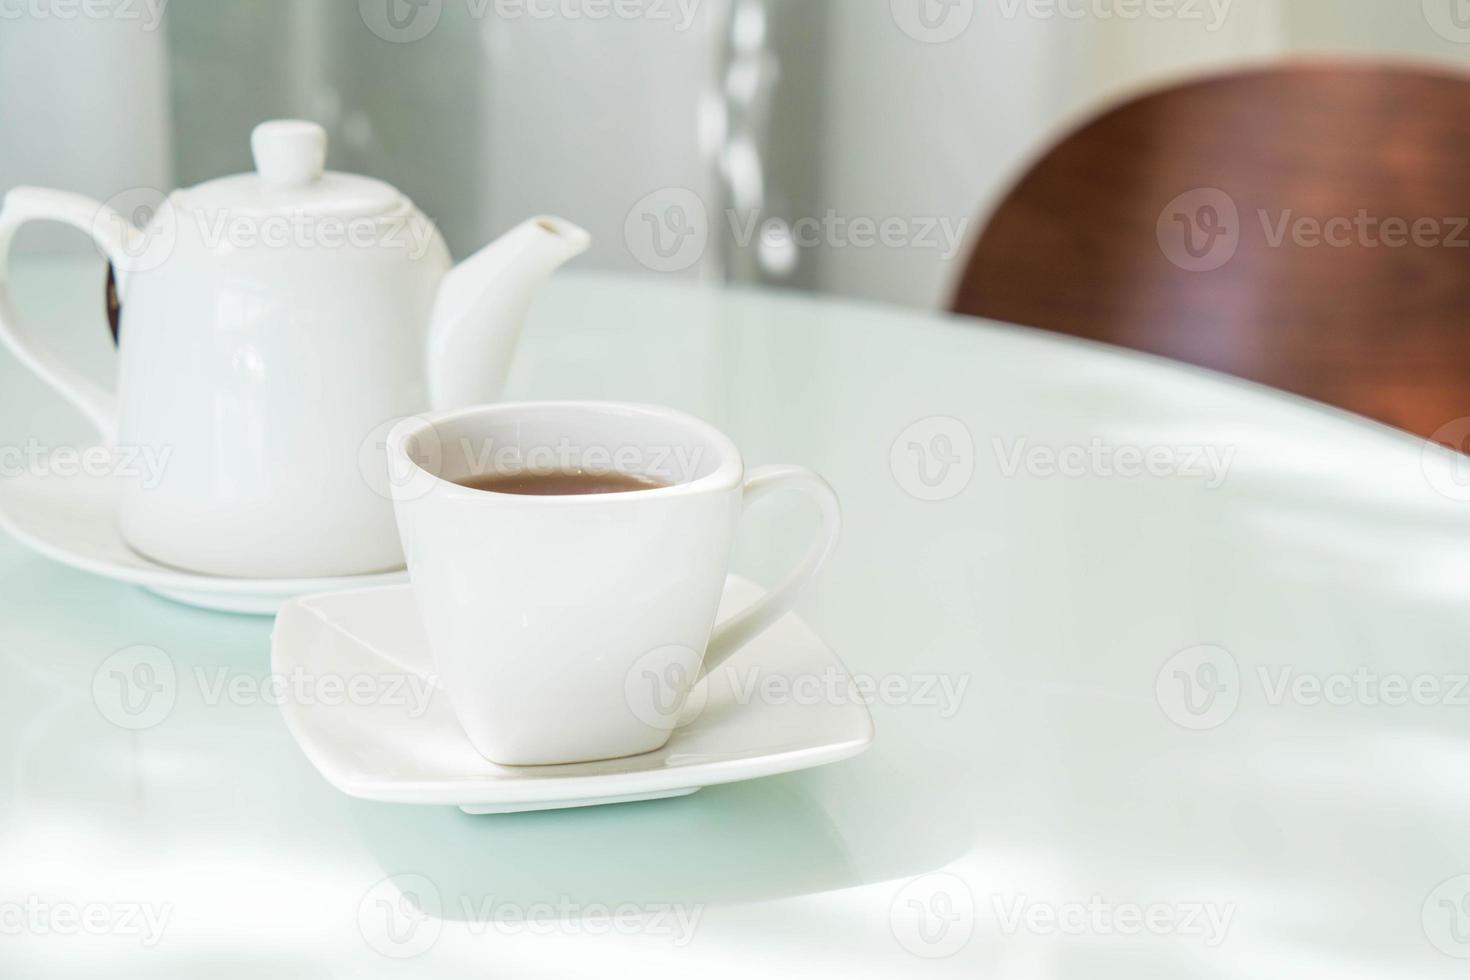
x=567 y=483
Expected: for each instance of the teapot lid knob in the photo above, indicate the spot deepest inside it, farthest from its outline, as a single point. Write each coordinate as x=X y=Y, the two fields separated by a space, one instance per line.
x=289 y=152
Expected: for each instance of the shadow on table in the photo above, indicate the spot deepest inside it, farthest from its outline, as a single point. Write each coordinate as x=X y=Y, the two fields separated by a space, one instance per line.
x=724 y=844
x=885 y=815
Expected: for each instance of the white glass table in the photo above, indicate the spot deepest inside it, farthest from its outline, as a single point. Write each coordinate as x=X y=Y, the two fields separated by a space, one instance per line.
x=1168 y=674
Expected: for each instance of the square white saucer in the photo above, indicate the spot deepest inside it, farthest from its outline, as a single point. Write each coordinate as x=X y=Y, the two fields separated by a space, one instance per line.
x=405 y=745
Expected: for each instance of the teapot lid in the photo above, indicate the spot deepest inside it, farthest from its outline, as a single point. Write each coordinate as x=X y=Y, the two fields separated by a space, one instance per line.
x=290 y=176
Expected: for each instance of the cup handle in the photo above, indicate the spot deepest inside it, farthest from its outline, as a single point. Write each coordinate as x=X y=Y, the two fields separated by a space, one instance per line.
x=109 y=230
x=749 y=623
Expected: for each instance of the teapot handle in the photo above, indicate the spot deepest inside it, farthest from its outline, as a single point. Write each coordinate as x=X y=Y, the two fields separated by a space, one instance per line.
x=112 y=234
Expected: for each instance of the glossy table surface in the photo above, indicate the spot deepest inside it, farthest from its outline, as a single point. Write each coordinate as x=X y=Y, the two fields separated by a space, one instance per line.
x=1169 y=676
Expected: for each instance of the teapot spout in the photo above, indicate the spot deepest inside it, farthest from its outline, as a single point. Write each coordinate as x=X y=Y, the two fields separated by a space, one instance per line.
x=483 y=302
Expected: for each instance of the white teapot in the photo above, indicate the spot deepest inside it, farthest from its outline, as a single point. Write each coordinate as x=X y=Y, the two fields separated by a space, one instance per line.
x=273 y=325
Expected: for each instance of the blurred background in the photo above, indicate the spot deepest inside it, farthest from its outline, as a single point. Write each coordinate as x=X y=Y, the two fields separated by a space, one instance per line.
x=730 y=140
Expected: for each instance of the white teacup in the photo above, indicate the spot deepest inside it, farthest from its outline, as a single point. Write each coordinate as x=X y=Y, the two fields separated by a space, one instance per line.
x=547 y=614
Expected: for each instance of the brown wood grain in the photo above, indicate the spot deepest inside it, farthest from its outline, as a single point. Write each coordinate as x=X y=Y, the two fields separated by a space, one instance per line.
x=1371 y=320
